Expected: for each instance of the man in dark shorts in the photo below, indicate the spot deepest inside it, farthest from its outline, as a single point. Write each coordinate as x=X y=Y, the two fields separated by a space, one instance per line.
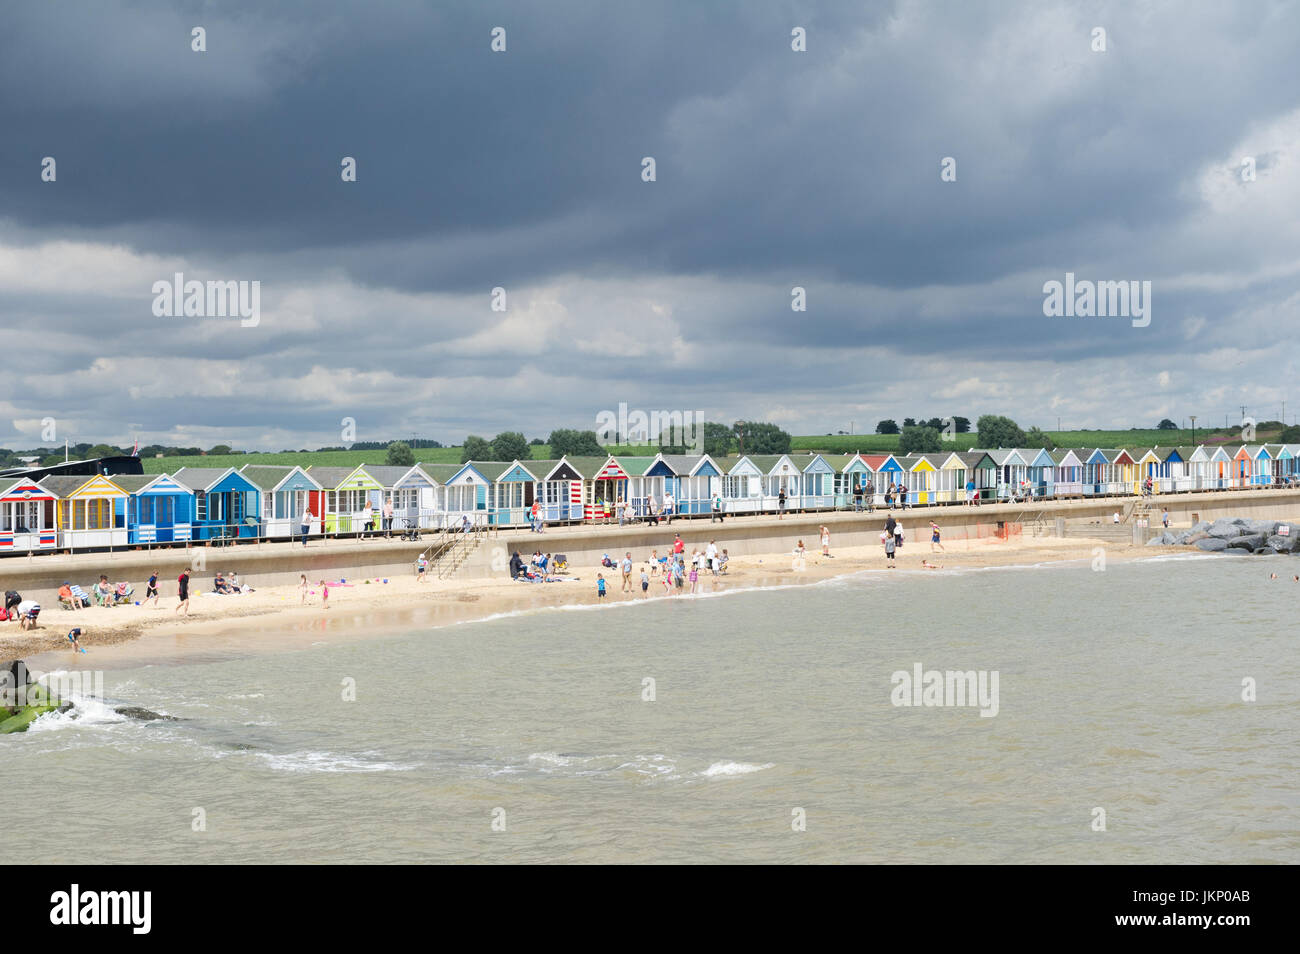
x=183 y=591
x=151 y=589
x=780 y=504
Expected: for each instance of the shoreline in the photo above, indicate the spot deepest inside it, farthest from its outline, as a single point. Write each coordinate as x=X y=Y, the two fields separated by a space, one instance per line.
x=273 y=618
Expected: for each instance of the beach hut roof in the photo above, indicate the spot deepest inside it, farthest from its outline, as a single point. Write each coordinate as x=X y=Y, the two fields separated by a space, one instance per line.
x=440 y=473
x=386 y=475
x=637 y=466
x=132 y=483
x=768 y=462
x=330 y=477
x=839 y=462
x=587 y=466
x=271 y=476
x=200 y=478
x=65 y=485
x=490 y=469
x=14 y=485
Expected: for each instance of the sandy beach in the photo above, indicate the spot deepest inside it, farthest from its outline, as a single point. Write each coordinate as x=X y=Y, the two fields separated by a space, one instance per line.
x=275 y=618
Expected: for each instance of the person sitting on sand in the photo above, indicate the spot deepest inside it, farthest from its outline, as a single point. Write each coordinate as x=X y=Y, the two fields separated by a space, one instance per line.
x=722 y=561
x=66 y=598
x=926 y=564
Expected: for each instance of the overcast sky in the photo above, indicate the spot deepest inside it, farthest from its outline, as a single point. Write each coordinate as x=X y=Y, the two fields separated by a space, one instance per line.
x=523 y=169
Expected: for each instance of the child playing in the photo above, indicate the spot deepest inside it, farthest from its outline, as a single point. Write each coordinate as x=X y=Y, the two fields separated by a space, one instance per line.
x=325 y=594
x=302 y=587
x=151 y=589
x=421 y=565
x=600 y=586
x=695 y=578
x=74 y=636
x=645 y=581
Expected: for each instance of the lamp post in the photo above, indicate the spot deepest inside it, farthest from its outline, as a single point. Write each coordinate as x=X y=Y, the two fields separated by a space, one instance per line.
x=1193 y=431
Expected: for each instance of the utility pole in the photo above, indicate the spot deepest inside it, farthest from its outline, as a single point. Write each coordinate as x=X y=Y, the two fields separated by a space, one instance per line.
x=1193 y=430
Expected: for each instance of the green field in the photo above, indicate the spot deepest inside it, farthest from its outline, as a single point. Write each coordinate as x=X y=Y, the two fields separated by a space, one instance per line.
x=169 y=465
x=829 y=444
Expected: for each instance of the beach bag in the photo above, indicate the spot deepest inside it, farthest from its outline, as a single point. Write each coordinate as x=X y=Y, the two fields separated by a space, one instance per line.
x=4 y=614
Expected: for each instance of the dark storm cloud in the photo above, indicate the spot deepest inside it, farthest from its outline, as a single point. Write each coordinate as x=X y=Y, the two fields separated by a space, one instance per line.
x=522 y=169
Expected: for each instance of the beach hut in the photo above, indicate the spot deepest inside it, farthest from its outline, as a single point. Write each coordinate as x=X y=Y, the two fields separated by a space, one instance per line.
x=888 y=471
x=849 y=476
x=602 y=489
x=920 y=479
x=1221 y=468
x=692 y=479
x=742 y=487
x=347 y=492
x=511 y=493
x=878 y=481
x=91 y=510
x=1283 y=462
x=1067 y=473
x=950 y=479
x=432 y=502
x=818 y=483
x=1150 y=465
x=1171 y=470
x=415 y=498
x=27 y=516
x=227 y=505
x=158 y=510
x=467 y=492
x=286 y=493
x=1197 y=468
x=1261 y=466
x=559 y=488
x=780 y=473
x=1012 y=470
x=1124 y=473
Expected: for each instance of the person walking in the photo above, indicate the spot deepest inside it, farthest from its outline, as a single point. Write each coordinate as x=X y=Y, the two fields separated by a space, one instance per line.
x=1164 y=517
x=388 y=517
x=826 y=541
x=889 y=496
x=898 y=535
x=780 y=504
x=857 y=499
x=934 y=538
x=183 y=592
x=627 y=572
x=306 y=525
x=890 y=547
x=151 y=590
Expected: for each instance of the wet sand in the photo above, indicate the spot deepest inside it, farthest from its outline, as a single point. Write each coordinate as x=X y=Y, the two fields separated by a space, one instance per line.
x=276 y=619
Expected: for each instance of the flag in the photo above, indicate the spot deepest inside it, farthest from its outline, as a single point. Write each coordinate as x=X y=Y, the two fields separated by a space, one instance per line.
x=135 y=451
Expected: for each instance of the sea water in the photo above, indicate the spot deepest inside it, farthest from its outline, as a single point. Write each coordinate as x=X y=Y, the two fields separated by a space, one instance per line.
x=752 y=726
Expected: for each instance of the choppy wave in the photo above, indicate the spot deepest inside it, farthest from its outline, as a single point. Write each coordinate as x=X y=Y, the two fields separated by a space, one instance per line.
x=327 y=762
x=734 y=768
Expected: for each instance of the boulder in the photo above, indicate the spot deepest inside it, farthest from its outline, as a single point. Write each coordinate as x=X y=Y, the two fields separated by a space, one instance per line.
x=1212 y=544
x=1226 y=531
x=1280 y=544
x=1249 y=541
x=1266 y=527
x=1195 y=537
x=1200 y=526
x=1159 y=541
x=1265 y=551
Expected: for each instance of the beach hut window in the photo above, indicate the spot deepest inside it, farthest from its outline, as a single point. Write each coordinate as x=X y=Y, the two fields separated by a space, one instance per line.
x=200 y=505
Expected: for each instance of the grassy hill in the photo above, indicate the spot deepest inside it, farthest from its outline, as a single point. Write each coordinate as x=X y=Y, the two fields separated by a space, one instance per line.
x=821 y=443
